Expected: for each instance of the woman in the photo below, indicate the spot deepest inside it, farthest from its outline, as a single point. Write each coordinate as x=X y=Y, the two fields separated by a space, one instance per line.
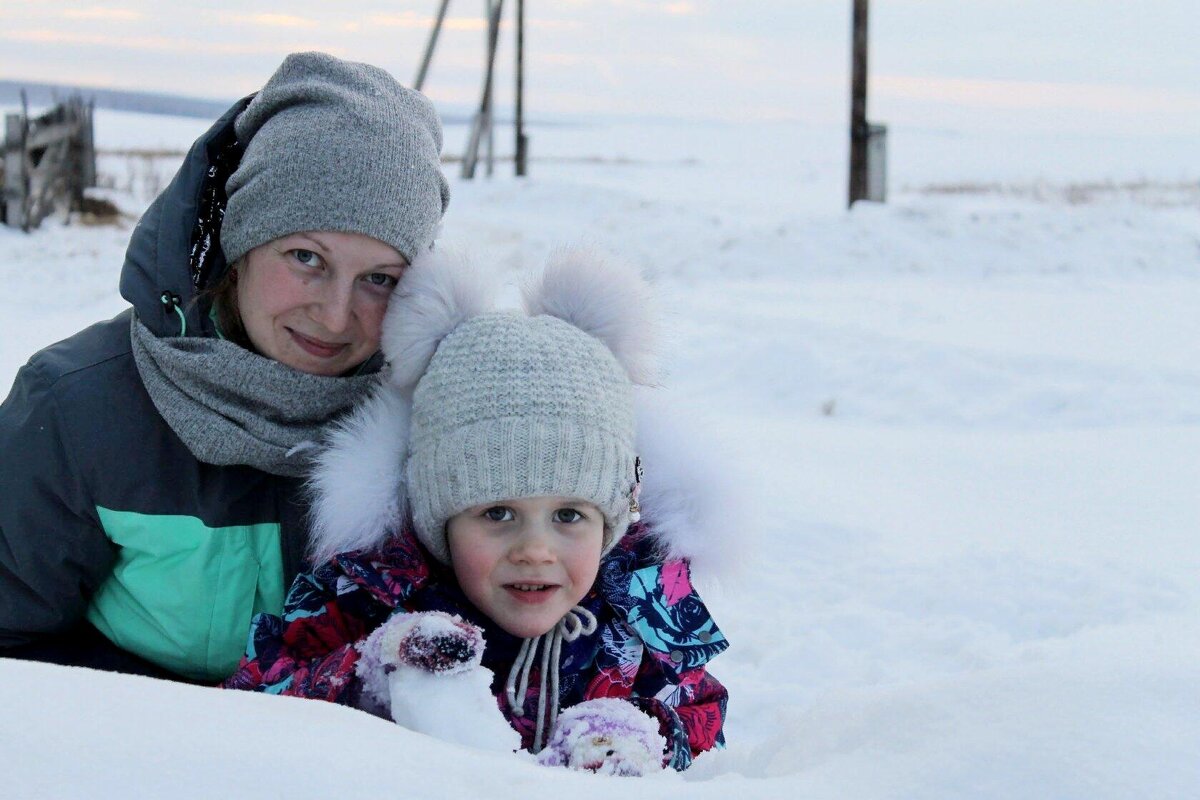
x=150 y=491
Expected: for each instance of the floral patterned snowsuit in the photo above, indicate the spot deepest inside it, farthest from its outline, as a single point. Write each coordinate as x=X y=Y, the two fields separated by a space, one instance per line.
x=651 y=645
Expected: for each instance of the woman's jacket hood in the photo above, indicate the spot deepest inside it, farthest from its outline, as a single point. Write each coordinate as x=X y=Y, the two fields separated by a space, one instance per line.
x=175 y=248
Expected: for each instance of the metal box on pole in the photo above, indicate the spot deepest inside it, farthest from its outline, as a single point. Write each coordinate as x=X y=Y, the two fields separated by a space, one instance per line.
x=876 y=163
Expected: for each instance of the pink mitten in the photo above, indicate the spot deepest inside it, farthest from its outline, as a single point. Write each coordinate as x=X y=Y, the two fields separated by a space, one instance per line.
x=607 y=735
x=428 y=641
x=433 y=641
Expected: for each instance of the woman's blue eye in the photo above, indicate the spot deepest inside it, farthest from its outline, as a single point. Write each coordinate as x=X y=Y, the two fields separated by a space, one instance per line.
x=382 y=279
x=567 y=515
x=499 y=514
x=307 y=257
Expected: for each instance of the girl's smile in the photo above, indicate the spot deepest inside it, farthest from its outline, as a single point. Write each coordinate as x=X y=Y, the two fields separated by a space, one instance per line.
x=526 y=562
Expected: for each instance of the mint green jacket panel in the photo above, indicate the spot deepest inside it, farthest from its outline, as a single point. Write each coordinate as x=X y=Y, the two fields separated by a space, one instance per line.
x=182 y=594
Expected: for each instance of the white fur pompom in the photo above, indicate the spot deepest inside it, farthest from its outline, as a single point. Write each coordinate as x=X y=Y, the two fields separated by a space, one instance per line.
x=358 y=483
x=605 y=298
x=439 y=291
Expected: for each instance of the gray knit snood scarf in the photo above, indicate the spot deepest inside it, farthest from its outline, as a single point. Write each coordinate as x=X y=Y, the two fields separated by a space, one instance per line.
x=232 y=406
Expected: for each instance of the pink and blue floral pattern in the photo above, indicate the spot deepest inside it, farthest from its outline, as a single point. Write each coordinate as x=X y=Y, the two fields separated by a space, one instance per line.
x=651 y=647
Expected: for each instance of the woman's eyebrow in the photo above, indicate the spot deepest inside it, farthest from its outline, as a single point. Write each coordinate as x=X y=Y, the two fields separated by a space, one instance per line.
x=324 y=248
x=310 y=237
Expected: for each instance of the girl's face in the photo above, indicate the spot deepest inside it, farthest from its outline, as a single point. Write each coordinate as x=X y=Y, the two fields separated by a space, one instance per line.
x=315 y=300
x=525 y=562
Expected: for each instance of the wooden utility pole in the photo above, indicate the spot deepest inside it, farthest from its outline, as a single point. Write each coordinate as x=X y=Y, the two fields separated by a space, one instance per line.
x=519 y=124
x=433 y=37
x=493 y=39
x=859 y=130
x=482 y=123
x=483 y=115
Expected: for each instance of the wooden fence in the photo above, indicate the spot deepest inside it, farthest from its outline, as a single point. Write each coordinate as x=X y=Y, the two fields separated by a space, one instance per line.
x=48 y=162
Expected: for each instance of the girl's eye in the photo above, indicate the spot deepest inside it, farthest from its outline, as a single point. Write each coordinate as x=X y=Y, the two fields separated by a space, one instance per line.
x=499 y=514
x=567 y=515
x=383 y=280
x=307 y=257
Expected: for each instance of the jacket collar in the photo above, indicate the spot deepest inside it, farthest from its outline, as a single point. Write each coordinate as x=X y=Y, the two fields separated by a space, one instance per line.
x=654 y=599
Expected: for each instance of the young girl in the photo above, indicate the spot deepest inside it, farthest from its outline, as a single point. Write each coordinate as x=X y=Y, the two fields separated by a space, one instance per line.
x=485 y=506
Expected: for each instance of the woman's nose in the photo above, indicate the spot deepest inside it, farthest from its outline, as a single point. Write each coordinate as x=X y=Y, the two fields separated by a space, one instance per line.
x=333 y=308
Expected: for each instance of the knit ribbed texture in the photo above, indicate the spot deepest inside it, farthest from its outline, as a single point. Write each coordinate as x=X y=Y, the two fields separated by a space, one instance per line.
x=513 y=406
x=336 y=146
x=231 y=406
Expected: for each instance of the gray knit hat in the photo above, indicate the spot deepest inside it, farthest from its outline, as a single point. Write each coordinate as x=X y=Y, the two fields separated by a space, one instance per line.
x=518 y=406
x=336 y=146
x=480 y=405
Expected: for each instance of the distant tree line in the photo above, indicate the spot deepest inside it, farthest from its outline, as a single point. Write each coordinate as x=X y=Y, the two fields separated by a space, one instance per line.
x=48 y=94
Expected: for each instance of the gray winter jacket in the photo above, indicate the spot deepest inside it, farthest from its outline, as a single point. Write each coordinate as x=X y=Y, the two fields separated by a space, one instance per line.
x=104 y=514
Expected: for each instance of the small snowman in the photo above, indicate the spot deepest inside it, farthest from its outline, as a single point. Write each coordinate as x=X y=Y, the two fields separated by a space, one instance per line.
x=424 y=670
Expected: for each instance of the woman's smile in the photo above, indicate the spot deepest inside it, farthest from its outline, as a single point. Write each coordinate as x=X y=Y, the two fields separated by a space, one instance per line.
x=317 y=347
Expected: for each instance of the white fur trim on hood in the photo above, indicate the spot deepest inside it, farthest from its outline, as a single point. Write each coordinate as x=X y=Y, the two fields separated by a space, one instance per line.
x=689 y=502
x=359 y=491
x=357 y=486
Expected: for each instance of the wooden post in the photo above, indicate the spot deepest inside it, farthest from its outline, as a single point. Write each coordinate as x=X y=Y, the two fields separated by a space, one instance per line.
x=493 y=36
x=471 y=156
x=26 y=171
x=433 y=37
x=14 y=171
x=81 y=154
x=89 y=146
x=859 y=132
x=521 y=148
x=48 y=162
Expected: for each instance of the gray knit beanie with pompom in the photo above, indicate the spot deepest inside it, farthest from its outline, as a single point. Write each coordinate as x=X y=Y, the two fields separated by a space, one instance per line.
x=517 y=406
x=333 y=145
x=480 y=405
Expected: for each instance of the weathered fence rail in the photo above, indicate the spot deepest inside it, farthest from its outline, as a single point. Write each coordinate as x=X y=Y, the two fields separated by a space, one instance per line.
x=49 y=161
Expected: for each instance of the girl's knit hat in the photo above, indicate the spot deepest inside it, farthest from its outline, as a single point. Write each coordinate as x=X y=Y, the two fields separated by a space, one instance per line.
x=483 y=405
x=517 y=406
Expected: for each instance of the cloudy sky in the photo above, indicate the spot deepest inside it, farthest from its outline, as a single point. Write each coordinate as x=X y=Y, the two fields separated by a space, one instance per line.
x=1112 y=66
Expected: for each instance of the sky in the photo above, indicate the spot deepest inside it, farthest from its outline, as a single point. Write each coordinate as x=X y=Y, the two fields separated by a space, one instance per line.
x=1108 y=66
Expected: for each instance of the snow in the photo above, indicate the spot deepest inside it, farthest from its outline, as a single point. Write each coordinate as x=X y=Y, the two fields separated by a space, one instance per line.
x=966 y=424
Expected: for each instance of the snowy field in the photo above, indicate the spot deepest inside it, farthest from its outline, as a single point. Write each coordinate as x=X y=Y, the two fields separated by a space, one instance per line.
x=967 y=428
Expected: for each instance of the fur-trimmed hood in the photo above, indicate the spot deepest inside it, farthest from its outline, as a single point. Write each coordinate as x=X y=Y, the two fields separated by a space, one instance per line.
x=685 y=503
x=359 y=485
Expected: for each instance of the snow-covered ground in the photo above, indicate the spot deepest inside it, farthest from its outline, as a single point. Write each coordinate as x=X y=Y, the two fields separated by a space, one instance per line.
x=967 y=427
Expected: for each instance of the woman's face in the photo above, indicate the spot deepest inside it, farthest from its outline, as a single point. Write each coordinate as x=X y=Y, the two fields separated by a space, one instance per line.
x=315 y=300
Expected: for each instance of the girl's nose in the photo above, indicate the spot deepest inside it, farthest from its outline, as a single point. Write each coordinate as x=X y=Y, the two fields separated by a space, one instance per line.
x=532 y=546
